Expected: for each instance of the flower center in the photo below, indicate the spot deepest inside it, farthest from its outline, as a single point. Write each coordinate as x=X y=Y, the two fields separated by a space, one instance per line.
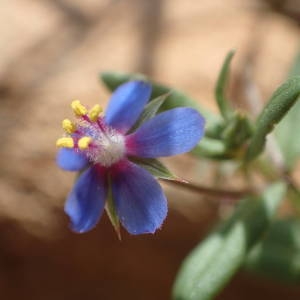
x=90 y=135
x=99 y=142
x=106 y=147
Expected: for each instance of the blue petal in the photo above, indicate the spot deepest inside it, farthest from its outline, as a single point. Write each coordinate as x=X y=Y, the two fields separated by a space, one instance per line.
x=126 y=104
x=85 y=203
x=140 y=202
x=172 y=132
x=70 y=160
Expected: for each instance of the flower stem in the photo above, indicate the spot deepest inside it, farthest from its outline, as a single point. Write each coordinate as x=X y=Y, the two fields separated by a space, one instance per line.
x=213 y=192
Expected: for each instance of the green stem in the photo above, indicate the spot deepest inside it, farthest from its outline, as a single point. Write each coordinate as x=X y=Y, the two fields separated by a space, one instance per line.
x=213 y=192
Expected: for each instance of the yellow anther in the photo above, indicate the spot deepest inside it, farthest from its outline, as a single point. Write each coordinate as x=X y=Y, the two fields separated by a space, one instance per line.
x=84 y=142
x=65 y=142
x=78 y=108
x=95 y=112
x=68 y=126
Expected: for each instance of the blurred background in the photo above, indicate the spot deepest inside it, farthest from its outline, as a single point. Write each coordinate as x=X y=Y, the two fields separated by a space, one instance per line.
x=51 y=53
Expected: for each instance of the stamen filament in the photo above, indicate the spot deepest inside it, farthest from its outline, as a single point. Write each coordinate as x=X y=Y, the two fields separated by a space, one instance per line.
x=100 y=125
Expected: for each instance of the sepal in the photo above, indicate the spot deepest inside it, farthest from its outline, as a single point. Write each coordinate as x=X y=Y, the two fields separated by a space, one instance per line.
x=150 y=111
x=111 y=211
x=155 y=167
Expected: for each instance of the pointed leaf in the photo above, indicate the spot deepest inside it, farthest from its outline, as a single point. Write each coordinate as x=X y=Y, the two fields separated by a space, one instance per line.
x=211 y=264
x=287 y=131
x=220 y=90
x=280 y=103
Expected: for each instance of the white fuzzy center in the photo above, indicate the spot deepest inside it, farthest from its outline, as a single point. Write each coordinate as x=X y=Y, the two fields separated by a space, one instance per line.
x=108 y=146
x=110 y=149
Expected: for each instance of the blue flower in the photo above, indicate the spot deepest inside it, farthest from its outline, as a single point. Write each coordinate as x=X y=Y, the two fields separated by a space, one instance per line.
x=100 y=148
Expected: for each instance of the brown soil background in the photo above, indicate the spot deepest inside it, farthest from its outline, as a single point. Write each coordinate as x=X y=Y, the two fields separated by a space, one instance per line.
x=51 y=53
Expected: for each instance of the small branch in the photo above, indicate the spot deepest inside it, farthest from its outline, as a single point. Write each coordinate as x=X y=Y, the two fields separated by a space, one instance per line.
x=213 y=192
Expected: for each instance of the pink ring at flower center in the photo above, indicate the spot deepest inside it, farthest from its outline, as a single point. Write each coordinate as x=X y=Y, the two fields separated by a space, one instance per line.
x=107 y=146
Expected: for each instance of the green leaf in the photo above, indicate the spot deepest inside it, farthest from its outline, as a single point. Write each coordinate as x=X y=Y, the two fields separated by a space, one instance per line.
x=111 y=211
x=278 y=254
x=287 y=131
x=295 y=69
x=280 y=103
x=113 y=79
x=155 y=167
x=214 y=261
x=150 y=111
x=212 y=148
x=220 y=90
